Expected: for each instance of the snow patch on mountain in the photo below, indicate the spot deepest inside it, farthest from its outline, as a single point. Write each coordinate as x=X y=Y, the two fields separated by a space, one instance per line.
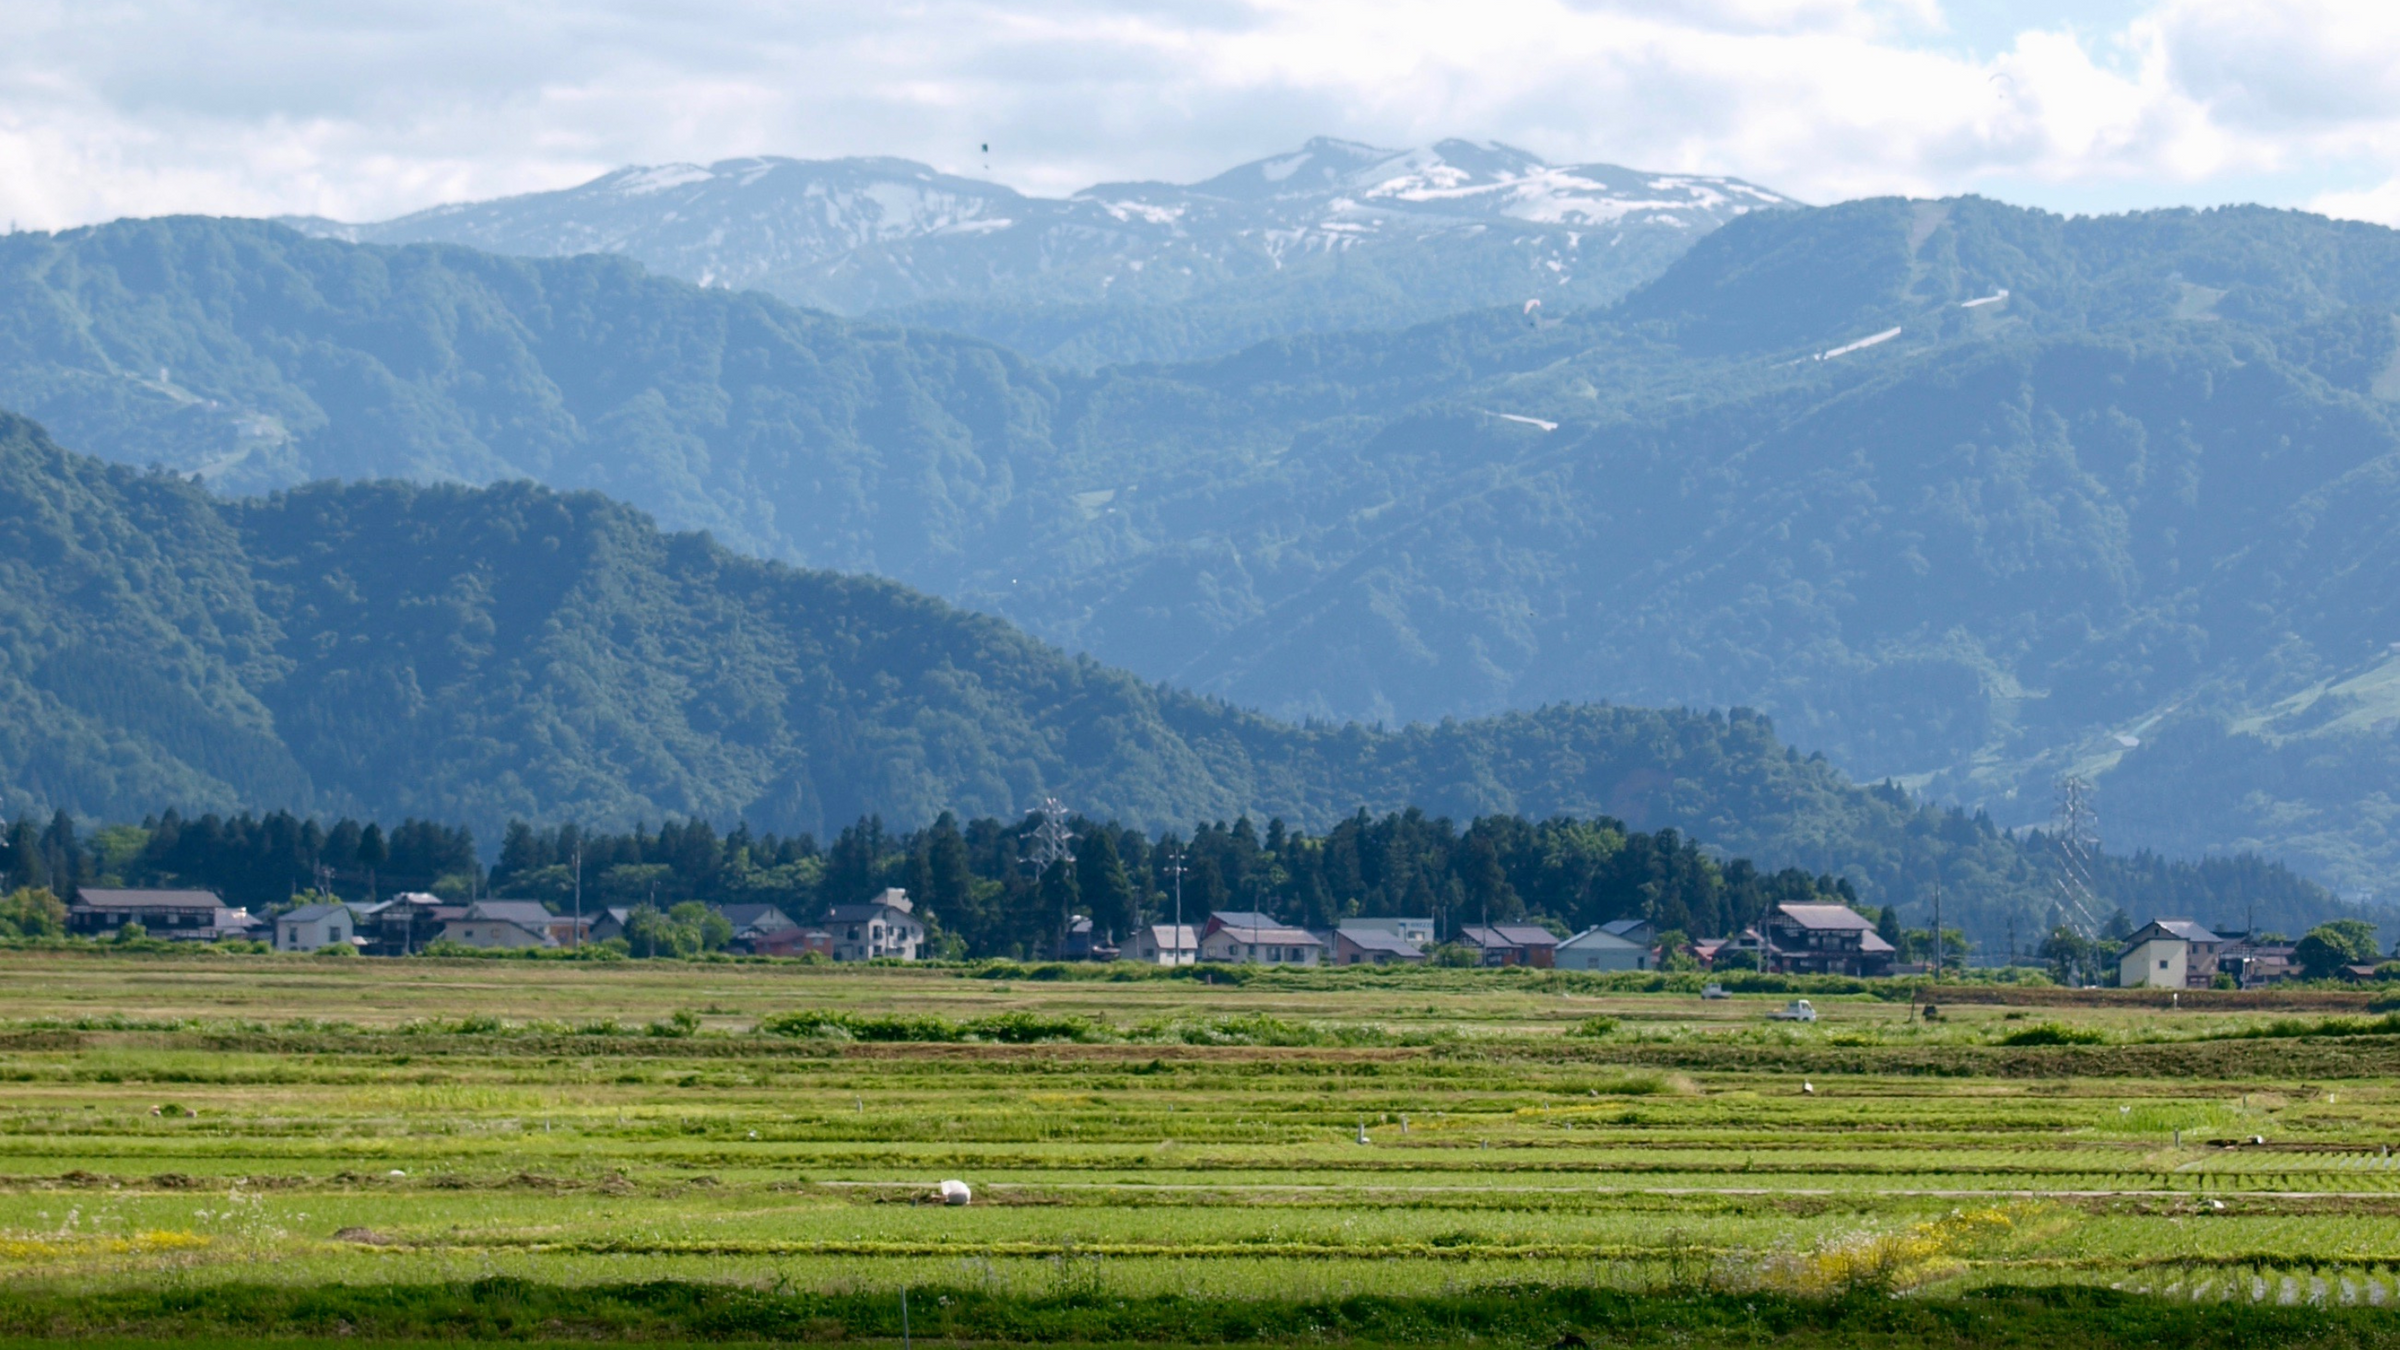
x=868 y=234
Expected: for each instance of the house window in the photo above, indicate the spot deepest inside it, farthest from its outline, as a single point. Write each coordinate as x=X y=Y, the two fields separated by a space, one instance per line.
x=2162 y=963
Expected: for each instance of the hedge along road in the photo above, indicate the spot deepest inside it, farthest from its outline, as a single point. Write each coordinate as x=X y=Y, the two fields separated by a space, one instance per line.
x=175 y=1123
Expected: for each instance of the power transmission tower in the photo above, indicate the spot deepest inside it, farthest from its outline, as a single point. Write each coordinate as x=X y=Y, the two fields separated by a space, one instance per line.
x=2075 y=836
x=1051 y=842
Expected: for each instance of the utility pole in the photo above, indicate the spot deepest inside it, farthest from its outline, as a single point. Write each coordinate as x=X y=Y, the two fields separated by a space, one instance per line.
x=579 y=890
x=1937 y=932
x=1175 y=869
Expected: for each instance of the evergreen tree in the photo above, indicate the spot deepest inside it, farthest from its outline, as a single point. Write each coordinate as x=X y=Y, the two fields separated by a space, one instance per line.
x=1061 y=898
x=1105 y=888
x=371 y=853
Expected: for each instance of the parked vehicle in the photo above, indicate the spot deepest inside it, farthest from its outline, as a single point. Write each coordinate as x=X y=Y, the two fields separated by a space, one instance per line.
x=1714 y=991
x=1798 y=1010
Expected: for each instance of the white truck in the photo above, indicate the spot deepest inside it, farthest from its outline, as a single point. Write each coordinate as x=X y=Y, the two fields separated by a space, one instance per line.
x=1798 y=1010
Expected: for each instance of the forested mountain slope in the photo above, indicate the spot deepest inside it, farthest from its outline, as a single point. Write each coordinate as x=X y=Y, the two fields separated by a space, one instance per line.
x=1333 y=236
x=477 y=655
x=1958 y=493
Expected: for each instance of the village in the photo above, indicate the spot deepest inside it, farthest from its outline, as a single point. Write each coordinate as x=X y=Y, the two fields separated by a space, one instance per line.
x=1792 y=939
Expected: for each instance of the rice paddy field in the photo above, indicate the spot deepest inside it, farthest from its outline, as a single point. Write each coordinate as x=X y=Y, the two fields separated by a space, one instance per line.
x=247 y=1148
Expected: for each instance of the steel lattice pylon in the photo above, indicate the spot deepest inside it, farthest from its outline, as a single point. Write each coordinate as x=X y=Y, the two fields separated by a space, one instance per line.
x=1051 y=841
x=2075 y=836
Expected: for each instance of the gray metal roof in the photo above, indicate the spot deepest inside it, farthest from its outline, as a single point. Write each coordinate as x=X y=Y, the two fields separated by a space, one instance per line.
x=1378 y=940
x=525 y=913
x=1839 y=917
x=2184 y=929
x=313 y=913
x=1509 y=935
x=1272 y=934
x=1601 y=937
x=756 y=916
x=95 y=898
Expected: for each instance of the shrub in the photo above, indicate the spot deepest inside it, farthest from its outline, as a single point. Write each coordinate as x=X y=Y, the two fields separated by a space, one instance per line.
x=1595 y=1027
x=2053 y=1033
x=32 y=912
x=1015 y=1028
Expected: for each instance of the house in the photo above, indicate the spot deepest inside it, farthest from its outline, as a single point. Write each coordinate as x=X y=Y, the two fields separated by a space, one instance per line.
x=514 y=923
x=1355 y=946
x=1640 y=932
x=885 y=927
x=611 y=923
x=1084 y=943
x=2168 y=954
x=1748 y=943
x=797 y=940
x=405 y=924
x=187 y=916
x=2254 y=961
x=1599 y=949
x=1822 y=940
x=1237 y=918
x=1417 y=931
x=313 y=926
x=753 y=924
x=1163 y=944
x=1512 y=944
x=1241 y=938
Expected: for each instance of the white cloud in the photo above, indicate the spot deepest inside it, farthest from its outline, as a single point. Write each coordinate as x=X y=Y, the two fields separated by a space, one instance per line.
x=376 y=107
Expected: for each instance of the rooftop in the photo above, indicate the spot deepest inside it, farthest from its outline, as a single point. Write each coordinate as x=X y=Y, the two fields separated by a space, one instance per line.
x=1603 y=936
x=762 y=916
x=1272 y=934
x=1379 y=940
x=2178 y=928
x=1243 y=918
x=94 y=898
x=1508 y=935
x=1826 y=917
x=869 y=912
x=528 y=913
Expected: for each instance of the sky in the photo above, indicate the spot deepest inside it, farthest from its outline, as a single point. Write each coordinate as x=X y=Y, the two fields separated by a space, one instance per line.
x=367 y=109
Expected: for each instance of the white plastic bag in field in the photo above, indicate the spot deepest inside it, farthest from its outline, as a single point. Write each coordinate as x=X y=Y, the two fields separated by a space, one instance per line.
x=956 y=1193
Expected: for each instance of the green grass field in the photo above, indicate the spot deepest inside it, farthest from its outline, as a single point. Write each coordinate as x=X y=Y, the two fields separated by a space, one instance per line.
x=248 y=1147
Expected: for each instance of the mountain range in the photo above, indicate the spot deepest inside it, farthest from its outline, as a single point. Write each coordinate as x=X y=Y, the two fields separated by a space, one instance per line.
x=477 y=655
x=1335 y=235
x=1963 y=495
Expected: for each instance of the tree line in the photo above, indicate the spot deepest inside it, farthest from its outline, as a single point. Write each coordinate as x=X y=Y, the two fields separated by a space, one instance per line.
x=973 y=878
x=984 y=898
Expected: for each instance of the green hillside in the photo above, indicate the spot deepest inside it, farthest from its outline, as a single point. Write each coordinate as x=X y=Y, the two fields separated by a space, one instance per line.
x=2115 y=497
x=481 y=655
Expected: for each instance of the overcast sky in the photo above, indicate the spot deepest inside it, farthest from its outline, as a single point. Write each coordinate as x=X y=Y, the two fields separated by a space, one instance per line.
x=365 y=109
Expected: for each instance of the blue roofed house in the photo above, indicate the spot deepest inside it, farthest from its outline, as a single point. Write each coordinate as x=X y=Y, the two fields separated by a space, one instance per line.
x=2169 y=954
x=1622 y=944
x=314 y=927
